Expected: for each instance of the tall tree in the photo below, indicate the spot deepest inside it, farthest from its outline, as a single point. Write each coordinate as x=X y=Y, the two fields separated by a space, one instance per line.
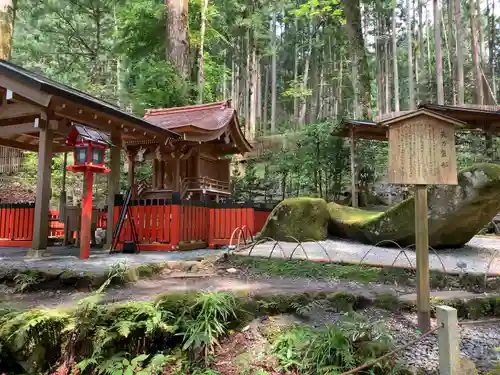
x=395 y=57
x=201 y=57
x=177 y=36
x=459 y=54
x=7 y=17
x=476 y=59
x=439 y=58
x=273 y=72
x=411 y=76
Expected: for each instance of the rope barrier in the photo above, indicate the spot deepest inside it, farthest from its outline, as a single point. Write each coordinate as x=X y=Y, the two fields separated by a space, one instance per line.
x=391 y=353
x=473 y=322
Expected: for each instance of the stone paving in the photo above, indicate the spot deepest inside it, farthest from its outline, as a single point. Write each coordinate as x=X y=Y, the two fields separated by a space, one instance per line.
x=474 y=257
x=99 y=261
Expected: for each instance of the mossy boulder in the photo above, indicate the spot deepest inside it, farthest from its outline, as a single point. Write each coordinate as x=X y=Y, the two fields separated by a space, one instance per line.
x=302 y=218
x=456 y=213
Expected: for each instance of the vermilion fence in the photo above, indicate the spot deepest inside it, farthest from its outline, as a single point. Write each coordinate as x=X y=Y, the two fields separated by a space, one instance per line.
x=160 y=224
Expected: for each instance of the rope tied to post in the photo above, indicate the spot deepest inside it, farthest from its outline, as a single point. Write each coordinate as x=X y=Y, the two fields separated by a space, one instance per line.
x=392 y=352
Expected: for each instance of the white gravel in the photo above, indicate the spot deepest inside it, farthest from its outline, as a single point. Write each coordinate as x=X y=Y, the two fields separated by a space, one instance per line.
x=478 y=342
x=475 y=256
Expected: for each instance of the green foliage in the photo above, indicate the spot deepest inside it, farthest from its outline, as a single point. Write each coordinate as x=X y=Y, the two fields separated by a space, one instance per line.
x=334 y=348
x=212 y=312
x=26 y=281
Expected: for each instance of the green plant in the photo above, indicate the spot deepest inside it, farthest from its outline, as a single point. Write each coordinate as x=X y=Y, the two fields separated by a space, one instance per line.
x=118 y=272
x=334 y=348
x=26 y=281
x=210 y=315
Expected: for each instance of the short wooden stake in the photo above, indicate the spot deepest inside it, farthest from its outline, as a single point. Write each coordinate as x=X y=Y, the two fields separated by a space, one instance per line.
x=422 y=248
x=449 y=354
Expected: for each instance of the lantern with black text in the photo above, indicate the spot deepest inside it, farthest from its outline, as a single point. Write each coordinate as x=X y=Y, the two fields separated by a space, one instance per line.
x=89 y=149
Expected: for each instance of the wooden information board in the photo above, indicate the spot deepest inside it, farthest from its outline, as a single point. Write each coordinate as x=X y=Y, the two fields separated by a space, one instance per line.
x=422 y=151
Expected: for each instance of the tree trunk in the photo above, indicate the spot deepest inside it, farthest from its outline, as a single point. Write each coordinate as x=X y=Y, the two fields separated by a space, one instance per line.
x=395 y=58
x=492 y=28
x=273 y=74
x=305 y=76
x=447 y=48
x=475 y=53
x=296 y=70
x=201 y=57
x=452 y=52
x=421 y=56
x=265 y=108
x=7 y=18
x=177 y=35
x=411 y=81
x=386 y=76
x=248 y=85
x=439 y=59
x=360 y=61
x=460 y=56
x=253 y=92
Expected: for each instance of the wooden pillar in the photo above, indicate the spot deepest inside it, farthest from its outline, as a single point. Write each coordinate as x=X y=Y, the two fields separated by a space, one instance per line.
x=113 y=182
x=43 y=192
x=62 y=197
x=422 y=248
x=354 y=172
x=176 y=174
x=86 y=220
x=196 y=164
x=162 y=174
x=155 y=173
x=131 y=173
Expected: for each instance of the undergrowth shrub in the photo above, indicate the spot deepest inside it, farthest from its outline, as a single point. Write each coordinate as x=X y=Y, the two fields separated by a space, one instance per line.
x=334 y=348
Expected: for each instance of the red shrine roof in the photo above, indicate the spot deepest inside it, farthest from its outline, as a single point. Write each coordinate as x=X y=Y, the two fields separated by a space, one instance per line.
x=201 y=123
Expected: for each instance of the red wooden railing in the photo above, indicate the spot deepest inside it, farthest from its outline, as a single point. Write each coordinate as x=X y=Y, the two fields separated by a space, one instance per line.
x=160 y=224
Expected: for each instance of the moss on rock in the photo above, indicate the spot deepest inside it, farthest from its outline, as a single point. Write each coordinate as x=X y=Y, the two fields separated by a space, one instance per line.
x=302 y=218
x=456 y=213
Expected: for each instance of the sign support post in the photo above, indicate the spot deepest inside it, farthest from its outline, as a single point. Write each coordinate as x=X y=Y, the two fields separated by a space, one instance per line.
x=421 y=153
x=422 y=249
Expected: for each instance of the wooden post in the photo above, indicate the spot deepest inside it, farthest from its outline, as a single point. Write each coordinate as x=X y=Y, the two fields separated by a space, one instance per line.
x=354 y=175
x=422 y=248
x=448 y=338
x=176 y=175
x=162 y=174
x=62 y=197
x=113 y=183
x=155 y=173
x=43 y=192
x=131 y=173
x=86 y=221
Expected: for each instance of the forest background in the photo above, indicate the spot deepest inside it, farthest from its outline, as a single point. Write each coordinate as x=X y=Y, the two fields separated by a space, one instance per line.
x=293 y=70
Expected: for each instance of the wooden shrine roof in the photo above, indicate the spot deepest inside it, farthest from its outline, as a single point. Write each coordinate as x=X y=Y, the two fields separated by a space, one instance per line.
x=467 y=117
x=202 y=123
x=29 y=101
x=486 y=118
x=361 y=129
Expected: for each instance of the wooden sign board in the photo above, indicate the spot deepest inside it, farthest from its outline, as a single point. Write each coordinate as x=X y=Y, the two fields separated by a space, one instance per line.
x=422 y=150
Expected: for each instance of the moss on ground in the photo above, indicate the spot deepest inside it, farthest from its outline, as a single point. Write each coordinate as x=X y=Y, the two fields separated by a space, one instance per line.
x=456 y=213
x=302 y=218
x=361 y=273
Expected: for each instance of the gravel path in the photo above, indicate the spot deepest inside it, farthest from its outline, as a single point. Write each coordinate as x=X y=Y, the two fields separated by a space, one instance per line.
x=476 y=255
x=478 y=342
x=99 y=261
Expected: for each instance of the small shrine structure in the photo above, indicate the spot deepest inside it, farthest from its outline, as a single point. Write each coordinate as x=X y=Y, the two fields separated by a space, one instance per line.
x=198 y=165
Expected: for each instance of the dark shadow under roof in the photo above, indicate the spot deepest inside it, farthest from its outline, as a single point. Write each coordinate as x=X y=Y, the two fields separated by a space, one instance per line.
x=362 y=129
x=52 y=87
x=486 y=118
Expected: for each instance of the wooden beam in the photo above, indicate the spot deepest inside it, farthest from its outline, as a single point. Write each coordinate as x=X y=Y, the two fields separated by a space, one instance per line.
x=19 y=145
x=30 y=93
x=9 y=130
x=15 y=110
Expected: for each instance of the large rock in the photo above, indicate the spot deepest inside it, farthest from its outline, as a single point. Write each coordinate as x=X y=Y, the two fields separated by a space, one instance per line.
x=302 y=218
x=456 y=213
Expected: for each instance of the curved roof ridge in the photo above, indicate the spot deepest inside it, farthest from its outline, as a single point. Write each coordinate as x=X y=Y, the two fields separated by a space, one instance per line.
x=189 y=108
